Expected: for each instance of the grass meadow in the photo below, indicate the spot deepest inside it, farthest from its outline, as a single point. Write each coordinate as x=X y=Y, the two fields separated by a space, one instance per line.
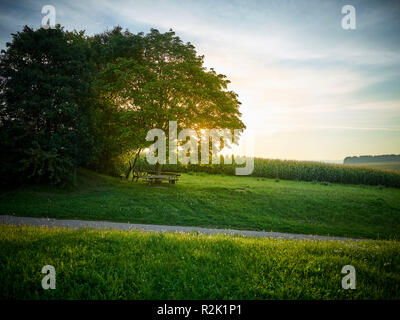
x=93 y=264
x=220 y=201
x=98 y=264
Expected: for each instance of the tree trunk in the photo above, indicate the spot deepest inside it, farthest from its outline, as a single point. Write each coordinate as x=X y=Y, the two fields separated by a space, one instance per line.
x=158 y=168
x=132 y=166
x=158 y=172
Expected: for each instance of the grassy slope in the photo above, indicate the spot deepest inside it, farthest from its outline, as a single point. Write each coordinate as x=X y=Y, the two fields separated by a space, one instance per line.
x=221 y=202
x=134 y=265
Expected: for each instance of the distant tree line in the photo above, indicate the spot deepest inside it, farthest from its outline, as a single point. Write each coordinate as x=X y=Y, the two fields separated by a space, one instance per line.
x=372 y=159
x=70 y=100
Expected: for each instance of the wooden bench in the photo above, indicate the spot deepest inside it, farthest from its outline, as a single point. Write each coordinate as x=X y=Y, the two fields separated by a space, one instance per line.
x=137 y=174
x=161 y=177
x=154 y=177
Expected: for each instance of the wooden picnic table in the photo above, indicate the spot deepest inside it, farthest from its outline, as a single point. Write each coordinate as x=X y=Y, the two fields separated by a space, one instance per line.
x=153 y=176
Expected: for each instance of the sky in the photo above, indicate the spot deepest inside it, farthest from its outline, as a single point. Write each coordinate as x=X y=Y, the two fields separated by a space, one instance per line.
x=310 y=90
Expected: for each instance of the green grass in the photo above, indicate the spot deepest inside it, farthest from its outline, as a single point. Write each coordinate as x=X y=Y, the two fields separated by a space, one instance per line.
x=297 y=170
x=92 y=264
x=220 y=202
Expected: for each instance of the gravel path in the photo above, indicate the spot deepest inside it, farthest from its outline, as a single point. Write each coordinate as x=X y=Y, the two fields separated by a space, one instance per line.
x=47 y=222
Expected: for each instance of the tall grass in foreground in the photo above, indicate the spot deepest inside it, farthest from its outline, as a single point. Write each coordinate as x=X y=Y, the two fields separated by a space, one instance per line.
x=94 y=264
x=296 y=170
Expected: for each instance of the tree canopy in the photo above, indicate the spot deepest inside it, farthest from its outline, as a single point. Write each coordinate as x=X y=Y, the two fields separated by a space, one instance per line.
x=71 y=100
x=45 y=79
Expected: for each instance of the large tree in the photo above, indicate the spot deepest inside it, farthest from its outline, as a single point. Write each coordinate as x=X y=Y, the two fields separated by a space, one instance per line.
x=115 y=130
x=45 y=78
x=162 y=80
x=70 y=100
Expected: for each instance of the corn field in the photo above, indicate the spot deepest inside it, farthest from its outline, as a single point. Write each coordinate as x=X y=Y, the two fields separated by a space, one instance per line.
x=295 y=170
